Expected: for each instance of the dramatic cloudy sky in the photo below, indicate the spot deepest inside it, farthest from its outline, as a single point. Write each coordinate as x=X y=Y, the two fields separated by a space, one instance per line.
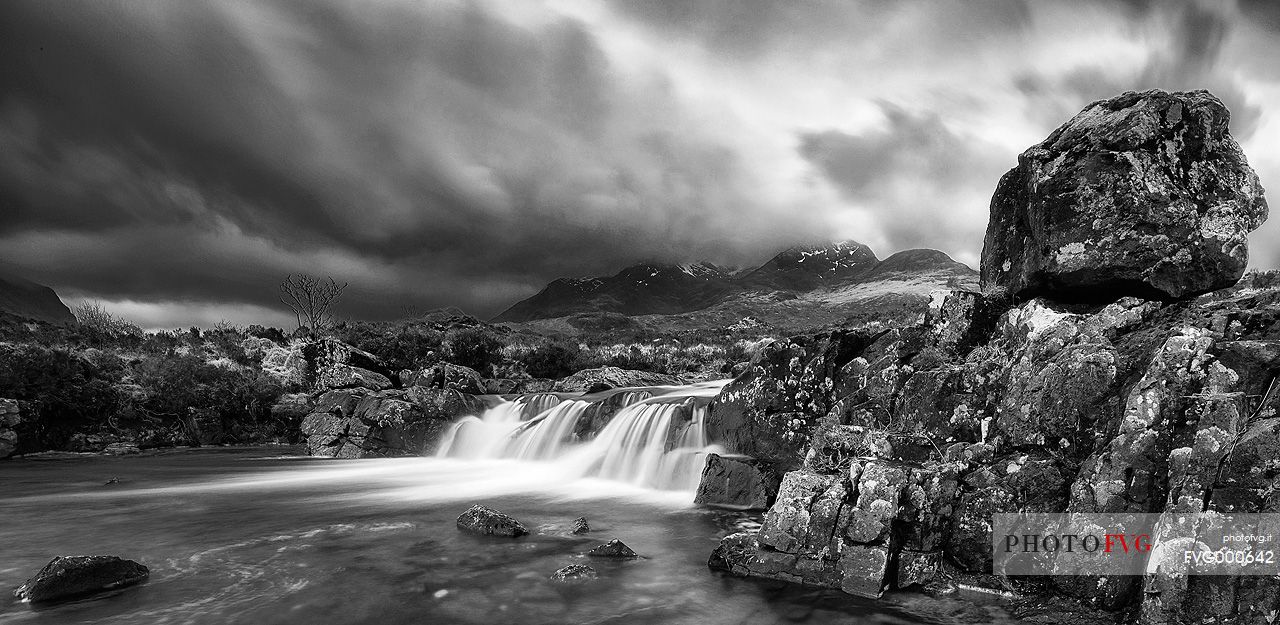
x=175 y=160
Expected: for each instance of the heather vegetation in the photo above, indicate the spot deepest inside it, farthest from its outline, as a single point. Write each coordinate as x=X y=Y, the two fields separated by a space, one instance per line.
x=104 y=381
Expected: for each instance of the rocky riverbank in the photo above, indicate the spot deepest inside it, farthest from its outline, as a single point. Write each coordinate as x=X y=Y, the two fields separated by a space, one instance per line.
x=1088 y=376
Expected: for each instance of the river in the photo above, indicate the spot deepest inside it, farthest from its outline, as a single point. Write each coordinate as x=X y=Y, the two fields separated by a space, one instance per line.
x=265 y=535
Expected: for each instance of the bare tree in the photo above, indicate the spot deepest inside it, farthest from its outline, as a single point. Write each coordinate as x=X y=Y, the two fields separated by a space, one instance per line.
x=94 y=315
x=310 y=298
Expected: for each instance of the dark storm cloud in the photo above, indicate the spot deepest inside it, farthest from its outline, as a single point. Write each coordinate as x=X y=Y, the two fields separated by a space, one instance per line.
x=444 y=154
x=914 y=171
x=178 y=154
x=756 y=27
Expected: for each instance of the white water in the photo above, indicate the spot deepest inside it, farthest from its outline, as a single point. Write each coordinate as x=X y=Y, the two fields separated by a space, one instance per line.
x=656 y=440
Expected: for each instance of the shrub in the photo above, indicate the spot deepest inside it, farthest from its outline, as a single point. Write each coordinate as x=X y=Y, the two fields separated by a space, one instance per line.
x=94 y=317
x=553 y=360
x=273 y=334
x=206 y=402
x=474 y=347
x=61 y=393
x=400 y=346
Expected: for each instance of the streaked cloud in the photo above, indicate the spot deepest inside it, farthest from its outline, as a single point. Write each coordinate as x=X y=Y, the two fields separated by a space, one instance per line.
x=184 y=155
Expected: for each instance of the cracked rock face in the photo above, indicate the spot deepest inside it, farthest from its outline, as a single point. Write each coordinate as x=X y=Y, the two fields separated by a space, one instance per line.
x=1143 y=194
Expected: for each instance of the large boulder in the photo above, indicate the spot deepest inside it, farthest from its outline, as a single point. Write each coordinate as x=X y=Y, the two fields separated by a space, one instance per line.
x=1143 y=194
x=737 y=482
x=347 y=376
x=71 y=577
x=605 y=378
x=447 y=376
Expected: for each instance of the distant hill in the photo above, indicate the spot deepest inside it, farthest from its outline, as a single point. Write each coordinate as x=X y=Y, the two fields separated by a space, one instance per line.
x=805 y=286
x=24 y=298
x=806 y=268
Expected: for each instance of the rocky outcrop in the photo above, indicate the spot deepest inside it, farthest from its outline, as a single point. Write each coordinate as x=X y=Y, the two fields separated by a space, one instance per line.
x=360 y=423
x=72 y=577
x=736 y=482
x=770 y=411
x=602 y=411
x=447 y=376
x=10 y=417
x=480 y=519
x=338 y=365
x=605 y=378
x=1145 y=194
x=919 y=434
x=1133 y=407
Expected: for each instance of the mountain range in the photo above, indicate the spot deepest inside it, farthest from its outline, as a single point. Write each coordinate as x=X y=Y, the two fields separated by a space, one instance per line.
x=799 y=287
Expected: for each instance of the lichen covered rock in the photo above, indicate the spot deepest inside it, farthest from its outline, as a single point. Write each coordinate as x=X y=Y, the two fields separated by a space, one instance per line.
x=1086 y=391
x=1143 y=194
x=359 y=423
x=480 y=519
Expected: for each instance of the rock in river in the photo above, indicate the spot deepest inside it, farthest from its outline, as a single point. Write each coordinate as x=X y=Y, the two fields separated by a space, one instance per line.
x=483 y=520
x=574 y=573
x=738 y=482
x=613 y=549
x=69 y=577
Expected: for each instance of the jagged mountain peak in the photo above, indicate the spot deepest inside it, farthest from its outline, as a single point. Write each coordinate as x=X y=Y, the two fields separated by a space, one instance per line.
x=804 y=267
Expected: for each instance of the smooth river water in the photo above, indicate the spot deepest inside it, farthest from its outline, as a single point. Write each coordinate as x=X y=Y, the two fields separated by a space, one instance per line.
x=261 y=535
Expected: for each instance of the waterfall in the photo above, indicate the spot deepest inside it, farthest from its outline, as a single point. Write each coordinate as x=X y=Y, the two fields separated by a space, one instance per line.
x=654 y=440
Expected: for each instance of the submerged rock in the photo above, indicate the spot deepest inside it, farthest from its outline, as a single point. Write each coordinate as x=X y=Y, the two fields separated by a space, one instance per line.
x=574 y=573
x=1143 y=194
x=70 y=577
x=480 y=519
x=613 y=549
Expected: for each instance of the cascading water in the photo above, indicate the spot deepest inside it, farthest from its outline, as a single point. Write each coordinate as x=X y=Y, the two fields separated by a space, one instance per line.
x=654 y=440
